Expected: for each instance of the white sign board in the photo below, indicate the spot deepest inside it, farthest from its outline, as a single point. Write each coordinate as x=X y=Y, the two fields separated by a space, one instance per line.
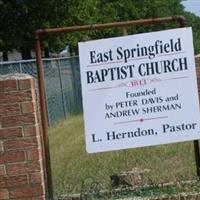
x=139 y=90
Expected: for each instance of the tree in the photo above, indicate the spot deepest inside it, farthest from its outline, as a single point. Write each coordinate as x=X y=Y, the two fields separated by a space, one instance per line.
x=20 y=18
x=6 y=41
x=194 y=22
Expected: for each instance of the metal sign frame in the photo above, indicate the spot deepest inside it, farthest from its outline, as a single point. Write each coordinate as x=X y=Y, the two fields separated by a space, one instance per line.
x=179 y=20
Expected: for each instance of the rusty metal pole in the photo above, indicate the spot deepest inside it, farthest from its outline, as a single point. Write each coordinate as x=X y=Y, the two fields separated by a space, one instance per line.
x=43 y=112
x=197 y=156
x=182 y=23
x=175 y=19
x=195 y=142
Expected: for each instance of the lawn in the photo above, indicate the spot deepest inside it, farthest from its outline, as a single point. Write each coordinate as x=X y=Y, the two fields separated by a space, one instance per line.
x=75 y=171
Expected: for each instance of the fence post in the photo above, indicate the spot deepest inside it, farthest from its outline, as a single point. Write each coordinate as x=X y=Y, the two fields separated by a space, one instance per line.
x=20 y=67
x=61 y=88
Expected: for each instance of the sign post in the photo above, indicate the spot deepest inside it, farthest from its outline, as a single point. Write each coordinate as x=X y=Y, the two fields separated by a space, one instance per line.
x=197 y=156
x=139 y=90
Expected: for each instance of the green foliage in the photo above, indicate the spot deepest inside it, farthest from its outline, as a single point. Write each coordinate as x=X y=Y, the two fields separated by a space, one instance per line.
x=20 y=18
x=194 y=22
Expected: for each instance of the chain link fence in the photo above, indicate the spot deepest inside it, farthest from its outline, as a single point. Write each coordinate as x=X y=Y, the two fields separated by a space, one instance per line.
x=62 y=84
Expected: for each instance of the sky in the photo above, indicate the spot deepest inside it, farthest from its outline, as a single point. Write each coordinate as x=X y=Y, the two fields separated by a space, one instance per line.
x=192 y=6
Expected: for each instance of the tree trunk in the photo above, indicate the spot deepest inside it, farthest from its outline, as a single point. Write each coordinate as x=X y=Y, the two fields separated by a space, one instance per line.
x=5 y=55
x=25 y=53
x=46 y=52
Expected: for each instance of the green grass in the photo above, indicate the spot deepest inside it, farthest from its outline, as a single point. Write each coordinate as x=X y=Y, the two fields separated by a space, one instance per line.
x=155 y=191
x=150 y=192
x=75 y=171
